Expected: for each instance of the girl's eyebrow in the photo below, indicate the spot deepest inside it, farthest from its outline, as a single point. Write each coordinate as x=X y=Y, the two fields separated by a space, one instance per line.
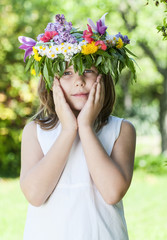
x=70 y=68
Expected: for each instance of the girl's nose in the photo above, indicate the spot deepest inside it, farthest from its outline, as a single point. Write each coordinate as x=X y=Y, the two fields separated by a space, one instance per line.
x=79 y=80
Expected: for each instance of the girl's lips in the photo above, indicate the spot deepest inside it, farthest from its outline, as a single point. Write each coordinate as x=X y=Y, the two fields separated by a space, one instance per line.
x=80 y=95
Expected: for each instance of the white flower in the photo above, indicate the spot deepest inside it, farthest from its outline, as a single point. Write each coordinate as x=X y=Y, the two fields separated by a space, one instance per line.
x=111 y=39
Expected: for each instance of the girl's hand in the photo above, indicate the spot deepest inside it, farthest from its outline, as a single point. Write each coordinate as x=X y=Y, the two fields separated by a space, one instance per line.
x=62 y=108
x=93 y=106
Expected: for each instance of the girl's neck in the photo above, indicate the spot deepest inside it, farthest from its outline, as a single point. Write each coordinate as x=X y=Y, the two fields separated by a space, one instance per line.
x=76 y=112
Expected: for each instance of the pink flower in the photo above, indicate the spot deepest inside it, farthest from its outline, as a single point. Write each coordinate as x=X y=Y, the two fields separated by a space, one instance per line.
x=48 y=36
x=87 y=34
x=102 y=44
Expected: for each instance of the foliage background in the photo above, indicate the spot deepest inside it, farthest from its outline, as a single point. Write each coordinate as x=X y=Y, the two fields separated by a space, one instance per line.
x=18 y=99
x=139 y=102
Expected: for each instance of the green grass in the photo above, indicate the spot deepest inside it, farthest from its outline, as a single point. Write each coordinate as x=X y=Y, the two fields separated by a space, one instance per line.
x=13 y=207
x=144 y=203
x=145 y=207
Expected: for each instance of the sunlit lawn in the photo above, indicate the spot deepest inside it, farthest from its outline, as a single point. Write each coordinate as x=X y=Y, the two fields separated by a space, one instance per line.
x=145 y=208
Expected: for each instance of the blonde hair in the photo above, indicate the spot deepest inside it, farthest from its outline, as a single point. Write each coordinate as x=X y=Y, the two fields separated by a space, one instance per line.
x=47 y=118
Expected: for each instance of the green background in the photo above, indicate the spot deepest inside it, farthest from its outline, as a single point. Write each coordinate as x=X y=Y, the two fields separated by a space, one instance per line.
x=139 y=102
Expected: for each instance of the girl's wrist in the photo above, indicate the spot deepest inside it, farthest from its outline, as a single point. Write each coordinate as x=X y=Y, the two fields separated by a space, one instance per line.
x=72 y=131
x=85 y=129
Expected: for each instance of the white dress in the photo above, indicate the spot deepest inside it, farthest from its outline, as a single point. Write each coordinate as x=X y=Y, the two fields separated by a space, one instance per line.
x=76 y=209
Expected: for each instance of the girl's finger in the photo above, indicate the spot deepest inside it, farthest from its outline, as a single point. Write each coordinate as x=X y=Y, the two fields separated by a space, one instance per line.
x=92 y=93
x=98 y=92
x=101 y=94
x=56 y=81
x=99 y=78
x=100 y=89
x=58 y=92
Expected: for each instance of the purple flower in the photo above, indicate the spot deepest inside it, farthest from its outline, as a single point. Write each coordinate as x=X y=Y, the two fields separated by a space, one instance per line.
x=28 y=43
x=68 y=26
x=60 y=28
x=51 y=27
x=64 y=36
x=72 y=39
x=60 y=18
x=125 y=38
x=100 y=25
x=57 y=39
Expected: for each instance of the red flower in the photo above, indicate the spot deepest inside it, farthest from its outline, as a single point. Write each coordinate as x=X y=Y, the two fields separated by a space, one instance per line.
x=87 y=34
x=102 y=44
x=48 y=36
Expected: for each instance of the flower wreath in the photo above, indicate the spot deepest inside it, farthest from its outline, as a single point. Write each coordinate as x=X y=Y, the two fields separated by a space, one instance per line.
x=62 y=43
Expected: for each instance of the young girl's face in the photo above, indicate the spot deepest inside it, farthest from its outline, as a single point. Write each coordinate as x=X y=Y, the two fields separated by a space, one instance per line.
x=76 y=88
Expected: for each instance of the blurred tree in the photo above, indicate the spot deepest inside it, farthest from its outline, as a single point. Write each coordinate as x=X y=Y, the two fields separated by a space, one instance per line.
x=163 y=27
x=18 y=99
x=131 y=14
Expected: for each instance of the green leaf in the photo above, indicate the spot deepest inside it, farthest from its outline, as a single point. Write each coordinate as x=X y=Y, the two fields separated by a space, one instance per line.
x=121 y=66
x=37 y=67
x=55 y=70
x=80 y=65
x=89 y=61
x=130 y=65
x=62 y=68
x=49 y=65
x=98 y=61
x=130 y=52
x=29 y=63
x=45 y=74
x=103 y=53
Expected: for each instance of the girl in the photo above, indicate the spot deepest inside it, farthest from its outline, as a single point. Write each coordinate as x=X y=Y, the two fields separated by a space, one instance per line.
x=76 y=160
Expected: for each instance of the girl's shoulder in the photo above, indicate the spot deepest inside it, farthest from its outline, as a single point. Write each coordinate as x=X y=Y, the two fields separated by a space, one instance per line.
x=123 y=128
x=30 y=126
x=127 y=130
x=124 y=123
x=30 y=129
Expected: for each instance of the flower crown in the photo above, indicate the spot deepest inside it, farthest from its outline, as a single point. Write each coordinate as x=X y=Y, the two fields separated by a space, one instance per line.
x=62 y=43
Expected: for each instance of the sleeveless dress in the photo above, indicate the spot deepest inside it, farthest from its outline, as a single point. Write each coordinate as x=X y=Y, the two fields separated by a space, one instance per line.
x=76 y=210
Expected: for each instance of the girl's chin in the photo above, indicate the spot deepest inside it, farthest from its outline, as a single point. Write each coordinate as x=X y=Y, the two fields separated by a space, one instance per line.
x=77 y=109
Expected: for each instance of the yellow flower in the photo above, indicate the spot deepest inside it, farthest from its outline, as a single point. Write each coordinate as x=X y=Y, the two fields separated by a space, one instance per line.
x=40 y=47
x=119 y=43
x=33 y=72
x=35 y=50
x=89 y=48
x=37 y=58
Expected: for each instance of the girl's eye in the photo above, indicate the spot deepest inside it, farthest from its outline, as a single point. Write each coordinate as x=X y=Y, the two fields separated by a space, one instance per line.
x=88 y=71
x=67 y=73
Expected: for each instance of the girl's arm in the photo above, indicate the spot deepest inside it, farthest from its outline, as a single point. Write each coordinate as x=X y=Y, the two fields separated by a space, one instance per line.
x=111 y=174
x=40 y=174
